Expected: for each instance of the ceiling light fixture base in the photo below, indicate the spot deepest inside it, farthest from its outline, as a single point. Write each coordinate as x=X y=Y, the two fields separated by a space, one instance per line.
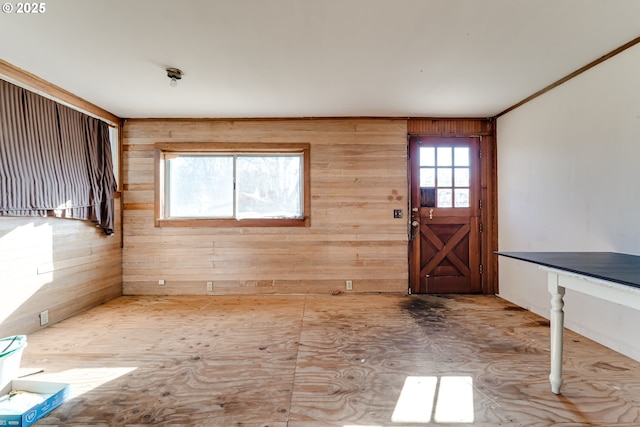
x=174 y=74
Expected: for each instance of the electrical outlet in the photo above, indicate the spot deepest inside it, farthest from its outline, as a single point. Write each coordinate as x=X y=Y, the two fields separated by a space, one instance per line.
x=44 y=317
x=209 y=286
x=161 y=282
x=349 y=285
x=397 y=213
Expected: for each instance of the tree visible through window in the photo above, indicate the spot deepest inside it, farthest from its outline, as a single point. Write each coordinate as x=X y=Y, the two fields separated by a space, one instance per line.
x=233 y=186
x=239 y=186
x=269 y=186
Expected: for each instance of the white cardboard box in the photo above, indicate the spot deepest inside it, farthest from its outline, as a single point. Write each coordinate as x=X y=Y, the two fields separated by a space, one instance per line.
x=59 y=392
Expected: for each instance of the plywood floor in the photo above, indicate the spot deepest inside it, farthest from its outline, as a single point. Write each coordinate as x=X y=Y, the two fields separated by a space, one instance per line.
x=311 y=361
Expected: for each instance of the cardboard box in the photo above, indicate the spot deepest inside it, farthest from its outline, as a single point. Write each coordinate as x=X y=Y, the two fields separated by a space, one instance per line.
x=59 y=392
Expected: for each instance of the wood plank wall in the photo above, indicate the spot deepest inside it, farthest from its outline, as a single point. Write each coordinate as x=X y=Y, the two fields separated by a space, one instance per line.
x=485 y=129
x=60 y=265
x=358 y=177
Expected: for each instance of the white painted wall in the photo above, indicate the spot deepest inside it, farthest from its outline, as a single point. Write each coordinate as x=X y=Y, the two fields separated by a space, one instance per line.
x=569 y=180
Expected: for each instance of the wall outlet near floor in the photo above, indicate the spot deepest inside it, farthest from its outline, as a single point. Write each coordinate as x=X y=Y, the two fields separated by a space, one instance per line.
x=209 y=286
x=161 y=282
x=349 y=285
x=44 y=317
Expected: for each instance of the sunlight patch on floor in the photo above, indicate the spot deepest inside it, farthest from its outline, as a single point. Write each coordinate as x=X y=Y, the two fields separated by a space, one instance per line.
x=455 y=400
x=446 y=399
x=84 y=379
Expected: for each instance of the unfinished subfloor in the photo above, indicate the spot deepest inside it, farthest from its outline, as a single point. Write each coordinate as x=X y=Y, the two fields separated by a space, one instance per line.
x=311 y=361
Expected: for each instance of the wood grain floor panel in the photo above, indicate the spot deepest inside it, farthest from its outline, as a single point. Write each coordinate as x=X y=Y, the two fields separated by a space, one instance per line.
x=324 y=361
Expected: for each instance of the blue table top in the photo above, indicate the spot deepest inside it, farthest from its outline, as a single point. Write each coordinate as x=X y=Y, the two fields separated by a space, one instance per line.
x=610 y=266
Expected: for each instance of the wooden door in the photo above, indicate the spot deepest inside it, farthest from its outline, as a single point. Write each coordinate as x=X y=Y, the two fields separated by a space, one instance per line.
x=444 y=251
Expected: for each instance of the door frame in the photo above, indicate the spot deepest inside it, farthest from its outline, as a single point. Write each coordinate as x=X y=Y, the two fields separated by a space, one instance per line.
x=484 y=129
x=425 y=221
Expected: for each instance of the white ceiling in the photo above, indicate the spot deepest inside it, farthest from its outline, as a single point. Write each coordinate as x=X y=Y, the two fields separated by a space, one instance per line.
x=313 y=58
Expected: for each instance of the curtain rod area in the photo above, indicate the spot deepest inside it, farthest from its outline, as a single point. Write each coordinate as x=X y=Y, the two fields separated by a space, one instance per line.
x=19 y=77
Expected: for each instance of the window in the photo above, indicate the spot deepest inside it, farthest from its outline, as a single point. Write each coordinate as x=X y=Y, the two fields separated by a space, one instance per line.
x=445 y=177
x=115 y=153
x=219 y=184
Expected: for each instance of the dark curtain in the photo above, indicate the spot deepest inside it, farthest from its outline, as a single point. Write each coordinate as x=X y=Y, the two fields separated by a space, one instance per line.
x=53 y=160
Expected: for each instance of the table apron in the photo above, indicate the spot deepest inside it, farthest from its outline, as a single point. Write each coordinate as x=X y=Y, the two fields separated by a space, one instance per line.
x=626 y=295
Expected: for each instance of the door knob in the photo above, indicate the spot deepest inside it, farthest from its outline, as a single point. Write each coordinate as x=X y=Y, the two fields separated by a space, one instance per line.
x=415 y=223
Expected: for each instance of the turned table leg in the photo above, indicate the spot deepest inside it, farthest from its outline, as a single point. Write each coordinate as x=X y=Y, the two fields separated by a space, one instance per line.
x=557 y=328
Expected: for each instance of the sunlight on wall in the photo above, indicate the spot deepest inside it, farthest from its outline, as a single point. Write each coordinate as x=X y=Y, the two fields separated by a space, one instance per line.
x=21 y=250
x=449 y=399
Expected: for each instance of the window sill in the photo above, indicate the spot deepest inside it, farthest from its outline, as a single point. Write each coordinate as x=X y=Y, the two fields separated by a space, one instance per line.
x=222 y=223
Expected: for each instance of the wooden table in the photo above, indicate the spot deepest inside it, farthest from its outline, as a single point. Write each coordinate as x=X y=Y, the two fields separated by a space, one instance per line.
x=609 y=276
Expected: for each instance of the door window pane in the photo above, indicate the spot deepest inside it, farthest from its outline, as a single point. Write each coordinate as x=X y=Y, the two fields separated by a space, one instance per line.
x=444 y=156
x=427 y=177
x=444 y=177
x=444 y=198
x=427 y=156
x=461 y=177
x=428 y=197
x=461 y=198
x=461 y=156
